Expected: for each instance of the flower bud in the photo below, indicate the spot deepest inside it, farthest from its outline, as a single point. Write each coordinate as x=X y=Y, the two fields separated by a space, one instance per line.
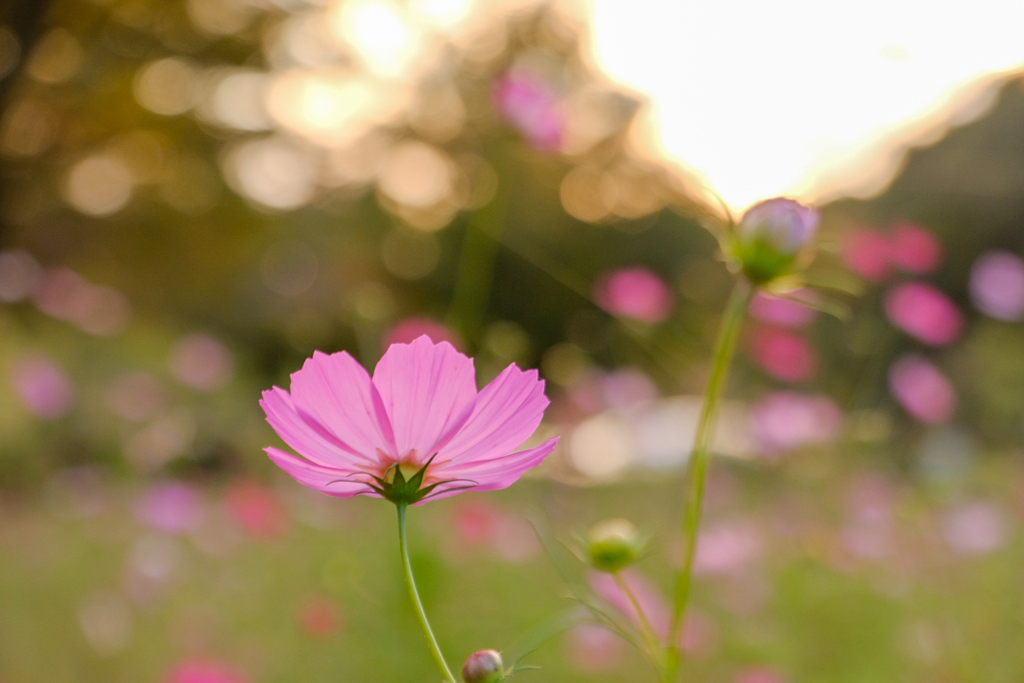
x=770 y=236
x=484 y=666
x=613 y=545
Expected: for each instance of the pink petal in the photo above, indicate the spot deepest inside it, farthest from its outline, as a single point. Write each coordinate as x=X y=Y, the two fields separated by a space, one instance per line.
x=334 y=482
x=308 y=438
x=507 y=412
x=336 y=392
x=497 y=473
x=428 y=391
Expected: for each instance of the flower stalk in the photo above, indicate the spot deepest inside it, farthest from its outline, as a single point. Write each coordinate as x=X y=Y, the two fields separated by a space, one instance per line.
x=728 y=336
x=414 y=595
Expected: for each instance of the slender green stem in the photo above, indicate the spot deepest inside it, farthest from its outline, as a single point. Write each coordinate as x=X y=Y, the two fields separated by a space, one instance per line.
x=697 y=472
x=414 y=595
x=646 y=630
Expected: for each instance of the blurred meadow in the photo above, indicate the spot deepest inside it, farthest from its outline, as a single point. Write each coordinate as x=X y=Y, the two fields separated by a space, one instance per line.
x=197 y=194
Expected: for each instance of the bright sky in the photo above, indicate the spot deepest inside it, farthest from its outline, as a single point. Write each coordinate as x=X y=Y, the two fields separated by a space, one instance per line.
x=807 y=98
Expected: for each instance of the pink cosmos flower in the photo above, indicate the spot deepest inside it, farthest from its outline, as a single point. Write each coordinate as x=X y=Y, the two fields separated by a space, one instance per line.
x=204 y=671
x=531 y=105
x=634 y=293
x=44 y=388
x=915 y=249
x=783 y=354
x=997 y=285
x=418 y=430
x=868 y=254
x=921 y=389
x=924 y=312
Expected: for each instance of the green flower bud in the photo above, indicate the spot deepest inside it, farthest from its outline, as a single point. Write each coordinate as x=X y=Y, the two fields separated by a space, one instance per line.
x=484 y=666
x=770 y=237
x=613 y=544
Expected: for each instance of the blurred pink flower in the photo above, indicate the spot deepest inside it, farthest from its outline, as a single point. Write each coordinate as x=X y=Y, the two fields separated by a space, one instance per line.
x=975 y=528
x=174 y=507
x=590 y=647
x=530 y=104
x=785 y=420
x=777 y=310
x=726 y=548
x=759 y=674
x=43 y=387
x=420 y=413
x=256 y=509
x=921 y=389
x=924 y=312
x=868 y=254
x=915 y=249
x=201 y=362
x=406 y=331
x=654 y=606
x=634 y=293
x=204 y=671
x=783 y=354
x=997 y=285
x=19 y=273
x=320 y=617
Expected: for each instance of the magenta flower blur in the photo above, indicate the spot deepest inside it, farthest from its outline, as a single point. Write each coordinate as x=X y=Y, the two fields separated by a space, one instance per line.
x=997 y=285
x=777 y=310
x=925 y=313
x=915 y=249
x=634 y=293
x=531 y=105
x=43 y=387
x=417 y=430
x=921 y=389
x=868 y=254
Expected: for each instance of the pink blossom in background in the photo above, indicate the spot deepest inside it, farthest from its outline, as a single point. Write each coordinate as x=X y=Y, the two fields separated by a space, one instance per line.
x=202 y=362
x=785 y=420
x=925 y=313
x=173 y=507
x=476 y=521
x=915 y=249
x=759 y=674
x=19 y=273
x=421 y=409
x=136 y=396
x=780 y=311
x=405 y=331
x=256 y=509
x=204 y=671
x=727 y=547
x=590 y=647
x=634 y=293
x=55 y=292
x=868 y=254
x=320 y=617
x=654 y=606
x=43 y=387
x=530 y=104
x=783 y=354
x=975 y=528
x=921 y=389
x=997 y=285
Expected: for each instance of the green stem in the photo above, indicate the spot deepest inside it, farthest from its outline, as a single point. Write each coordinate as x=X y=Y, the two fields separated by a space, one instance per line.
x=646 y=630
x=414 y=595
x=697 y=472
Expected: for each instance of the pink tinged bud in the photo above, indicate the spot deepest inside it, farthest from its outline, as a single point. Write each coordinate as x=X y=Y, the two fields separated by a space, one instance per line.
x=921 y=389
x=771 y=234
x=484 y=666
x=925 y=313
x=997 y=285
